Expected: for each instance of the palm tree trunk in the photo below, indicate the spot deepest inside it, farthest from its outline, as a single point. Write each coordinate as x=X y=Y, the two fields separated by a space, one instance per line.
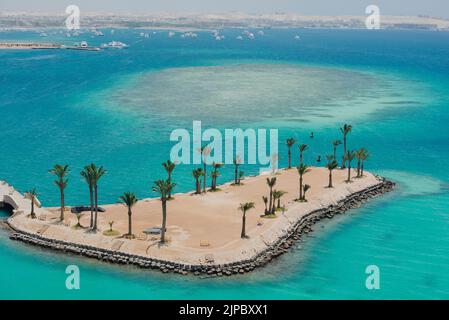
x=361 y=171
x=96 y=208
x=349 y=171
x=344 y=153
x=91 y=192
x=33 y=215
x=289 y=158
x=300 y=158
x=164 y=219
x=169 y=180
x=62 y=204
x=129 y=222
x=330 y=178
x=271 y=198
x=243 y=234
x=300 y=187
x=279 y=203
x=236 y=171
x=358 y=168
x=205 y=175
x=197 y=186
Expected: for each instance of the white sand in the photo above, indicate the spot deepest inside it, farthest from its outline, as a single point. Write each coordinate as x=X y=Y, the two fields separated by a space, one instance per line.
x=213 y=218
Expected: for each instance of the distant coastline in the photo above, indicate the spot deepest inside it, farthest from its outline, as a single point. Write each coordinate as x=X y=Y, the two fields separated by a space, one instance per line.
x=197 y=21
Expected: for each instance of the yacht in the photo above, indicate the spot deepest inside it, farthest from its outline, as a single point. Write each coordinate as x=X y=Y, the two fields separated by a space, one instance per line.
x=117 y=44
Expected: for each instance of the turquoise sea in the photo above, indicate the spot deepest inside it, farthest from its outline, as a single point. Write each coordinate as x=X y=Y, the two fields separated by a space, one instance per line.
x=117 y=108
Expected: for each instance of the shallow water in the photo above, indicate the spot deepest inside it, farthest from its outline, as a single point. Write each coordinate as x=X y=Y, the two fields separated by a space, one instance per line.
x=117 y=108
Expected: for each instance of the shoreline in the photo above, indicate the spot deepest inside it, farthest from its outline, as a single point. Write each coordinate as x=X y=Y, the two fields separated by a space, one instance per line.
x=280 y=245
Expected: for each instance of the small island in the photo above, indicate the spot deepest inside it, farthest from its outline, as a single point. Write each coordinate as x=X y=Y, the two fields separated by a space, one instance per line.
x=203 y=234
x=215 y=230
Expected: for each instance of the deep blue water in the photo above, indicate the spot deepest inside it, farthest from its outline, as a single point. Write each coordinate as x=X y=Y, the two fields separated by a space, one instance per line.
x=60 y=107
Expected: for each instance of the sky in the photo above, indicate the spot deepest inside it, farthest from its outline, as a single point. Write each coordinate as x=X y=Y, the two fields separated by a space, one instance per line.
x=436 y=8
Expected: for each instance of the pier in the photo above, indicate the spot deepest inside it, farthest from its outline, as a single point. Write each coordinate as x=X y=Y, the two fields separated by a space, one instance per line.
x=29 y=45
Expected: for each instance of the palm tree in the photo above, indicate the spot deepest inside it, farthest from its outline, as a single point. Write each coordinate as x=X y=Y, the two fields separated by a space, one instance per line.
x=335 y=144
x=365 y=157
x=129 y=199
x=163 y=187
x=349 y=157
x=88 y=176
x=197 y=174
x=265 y=201
x=306 y=188
x=302 y=170
x=275 y=198
x=79 y=215
x=279 y=195
x=60 y=172
x=302 y=148
x=331 y=165
x=169 y=167
x=215 y=174
x=244 y=207
x=97 y=173
x=271 y=182
x=347 y=128
x=290 y=142
x=237 y=162
x=32 y=194
x=205 y=152
x=241 y=176
x=359 y=154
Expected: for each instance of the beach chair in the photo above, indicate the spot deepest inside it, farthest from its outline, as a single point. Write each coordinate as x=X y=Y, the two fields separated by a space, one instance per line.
x=142 y=237
x=204 y=243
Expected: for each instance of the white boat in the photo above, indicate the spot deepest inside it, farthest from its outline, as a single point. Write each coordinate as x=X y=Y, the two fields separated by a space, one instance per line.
x=117 y=44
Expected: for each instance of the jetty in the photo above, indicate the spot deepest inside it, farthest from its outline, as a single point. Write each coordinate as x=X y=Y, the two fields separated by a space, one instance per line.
x=29 y=45
x=39 y=46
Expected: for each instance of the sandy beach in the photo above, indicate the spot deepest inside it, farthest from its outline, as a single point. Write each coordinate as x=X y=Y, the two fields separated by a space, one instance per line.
x=201 y=227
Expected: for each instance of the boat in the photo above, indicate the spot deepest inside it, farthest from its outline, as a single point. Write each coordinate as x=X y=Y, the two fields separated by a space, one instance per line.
x=117 y=44
x=82 y=46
